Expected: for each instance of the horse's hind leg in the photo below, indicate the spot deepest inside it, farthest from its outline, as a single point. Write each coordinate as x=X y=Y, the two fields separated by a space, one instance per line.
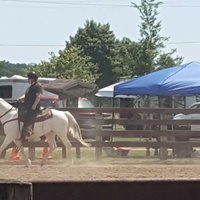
x=50 y=137
x=68 y=147
x=21 y=149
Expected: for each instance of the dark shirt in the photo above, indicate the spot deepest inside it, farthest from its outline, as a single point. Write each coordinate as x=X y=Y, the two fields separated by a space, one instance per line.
x=31 y=94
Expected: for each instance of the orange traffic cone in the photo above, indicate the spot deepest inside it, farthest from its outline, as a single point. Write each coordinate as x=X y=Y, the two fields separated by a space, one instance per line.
x=45 y=151
x=14 y=154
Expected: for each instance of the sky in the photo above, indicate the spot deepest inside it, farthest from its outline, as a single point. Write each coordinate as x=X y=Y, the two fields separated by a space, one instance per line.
x=31 y=29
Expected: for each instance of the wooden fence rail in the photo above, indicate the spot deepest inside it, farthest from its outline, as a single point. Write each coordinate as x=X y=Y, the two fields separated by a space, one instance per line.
x=153 y=123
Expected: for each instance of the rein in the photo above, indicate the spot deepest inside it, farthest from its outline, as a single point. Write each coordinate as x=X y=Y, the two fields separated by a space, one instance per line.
x=10 y=121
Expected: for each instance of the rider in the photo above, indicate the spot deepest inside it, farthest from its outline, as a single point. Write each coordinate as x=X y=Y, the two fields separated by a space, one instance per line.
x=31 y=99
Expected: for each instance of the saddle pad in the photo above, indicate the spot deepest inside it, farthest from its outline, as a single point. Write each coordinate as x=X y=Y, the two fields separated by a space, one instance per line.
x=46 y=114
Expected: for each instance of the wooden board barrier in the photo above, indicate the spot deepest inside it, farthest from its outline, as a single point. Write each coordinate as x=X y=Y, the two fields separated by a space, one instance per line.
x=118 y=190
x=15 y=190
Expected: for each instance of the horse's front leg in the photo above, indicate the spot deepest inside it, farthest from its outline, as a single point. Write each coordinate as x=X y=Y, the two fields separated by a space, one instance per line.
x=5 y=143
x=21 y=148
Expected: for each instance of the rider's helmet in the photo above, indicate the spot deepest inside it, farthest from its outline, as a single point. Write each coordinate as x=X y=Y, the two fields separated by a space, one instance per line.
x=32 y=75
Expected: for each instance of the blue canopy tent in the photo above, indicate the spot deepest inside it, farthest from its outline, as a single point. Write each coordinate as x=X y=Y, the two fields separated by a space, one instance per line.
x=181 y=80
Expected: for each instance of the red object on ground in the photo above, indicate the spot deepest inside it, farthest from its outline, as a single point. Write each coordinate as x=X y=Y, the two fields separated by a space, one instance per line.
x=45 y=151
x=14 y=154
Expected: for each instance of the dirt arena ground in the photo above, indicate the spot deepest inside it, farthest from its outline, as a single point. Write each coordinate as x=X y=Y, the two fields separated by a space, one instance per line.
x=105 y=169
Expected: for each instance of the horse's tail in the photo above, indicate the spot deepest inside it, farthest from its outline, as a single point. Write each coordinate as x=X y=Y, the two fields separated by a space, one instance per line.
x=75 y=130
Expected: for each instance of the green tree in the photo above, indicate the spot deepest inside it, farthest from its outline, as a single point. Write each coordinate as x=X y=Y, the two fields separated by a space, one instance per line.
x=167 y=60
x=8 y=69
x=151 y=55
x=97 y=42
x=124 y=57
x=69 y=64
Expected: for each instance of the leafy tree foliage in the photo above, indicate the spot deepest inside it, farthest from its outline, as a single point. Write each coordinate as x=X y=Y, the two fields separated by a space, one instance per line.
x=124 y=57
x=166 y=60
x=69 y=64
x=95 y=55
x=151 y=54
x=98 y=41
x=8 y=69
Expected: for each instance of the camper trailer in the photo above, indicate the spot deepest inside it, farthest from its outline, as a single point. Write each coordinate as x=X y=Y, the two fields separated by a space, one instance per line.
x=11 y=88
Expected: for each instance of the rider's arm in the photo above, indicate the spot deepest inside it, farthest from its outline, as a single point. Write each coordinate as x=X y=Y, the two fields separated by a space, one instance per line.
x=37 y=100
x=22 y=97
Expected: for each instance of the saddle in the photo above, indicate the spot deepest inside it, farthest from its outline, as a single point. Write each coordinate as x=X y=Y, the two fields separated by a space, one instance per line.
x=43 y=115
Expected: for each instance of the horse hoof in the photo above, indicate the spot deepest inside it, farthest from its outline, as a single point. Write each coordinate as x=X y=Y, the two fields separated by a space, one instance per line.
x=28 y=163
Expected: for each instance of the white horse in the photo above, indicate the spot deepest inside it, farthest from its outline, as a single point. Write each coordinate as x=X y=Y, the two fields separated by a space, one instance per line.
x=61 y=124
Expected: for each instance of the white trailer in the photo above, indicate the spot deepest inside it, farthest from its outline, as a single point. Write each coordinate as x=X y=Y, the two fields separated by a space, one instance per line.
x=11 y=88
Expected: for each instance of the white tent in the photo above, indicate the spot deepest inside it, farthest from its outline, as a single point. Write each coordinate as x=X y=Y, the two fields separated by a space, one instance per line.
x=109 y=92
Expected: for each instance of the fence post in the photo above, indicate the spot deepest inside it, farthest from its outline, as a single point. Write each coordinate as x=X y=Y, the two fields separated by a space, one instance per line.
x=64 y=153
x=98 y=150
x=148 y=127
x=78 y=152
x=163 y=151
x=31 y=153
